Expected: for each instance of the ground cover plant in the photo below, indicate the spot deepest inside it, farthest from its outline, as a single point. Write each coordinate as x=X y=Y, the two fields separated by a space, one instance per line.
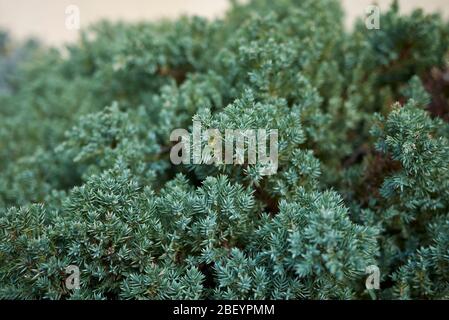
x=363 y=177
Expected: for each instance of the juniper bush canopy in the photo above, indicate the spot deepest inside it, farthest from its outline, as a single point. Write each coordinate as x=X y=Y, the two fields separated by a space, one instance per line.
x=363 y=171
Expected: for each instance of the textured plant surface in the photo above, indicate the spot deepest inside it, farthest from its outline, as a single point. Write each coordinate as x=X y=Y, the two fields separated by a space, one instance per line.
x=363 y=179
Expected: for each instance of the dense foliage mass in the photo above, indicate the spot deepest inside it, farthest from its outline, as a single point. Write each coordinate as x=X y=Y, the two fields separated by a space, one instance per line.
x=363 y=179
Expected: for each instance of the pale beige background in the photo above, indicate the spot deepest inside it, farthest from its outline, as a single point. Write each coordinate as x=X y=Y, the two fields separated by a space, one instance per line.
x=46 y=18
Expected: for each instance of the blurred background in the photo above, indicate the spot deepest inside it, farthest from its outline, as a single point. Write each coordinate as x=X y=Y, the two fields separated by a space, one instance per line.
x=45 y=19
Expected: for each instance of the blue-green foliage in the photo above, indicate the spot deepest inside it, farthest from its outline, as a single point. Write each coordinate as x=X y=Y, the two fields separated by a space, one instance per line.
x=363 y=177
